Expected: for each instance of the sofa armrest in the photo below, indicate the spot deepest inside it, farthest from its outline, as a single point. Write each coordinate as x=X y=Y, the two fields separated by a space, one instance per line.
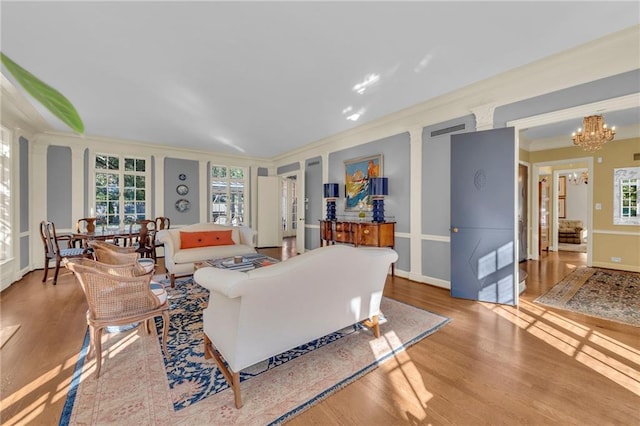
x=169 y=247
x=219 y=280
x=248 y=236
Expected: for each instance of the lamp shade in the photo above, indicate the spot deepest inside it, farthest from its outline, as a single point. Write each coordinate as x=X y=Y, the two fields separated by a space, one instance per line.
x=331 y=190
x=379 y=186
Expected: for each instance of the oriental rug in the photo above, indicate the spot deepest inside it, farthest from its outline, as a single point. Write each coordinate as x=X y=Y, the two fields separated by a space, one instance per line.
x=137 y=385
x=603 y=293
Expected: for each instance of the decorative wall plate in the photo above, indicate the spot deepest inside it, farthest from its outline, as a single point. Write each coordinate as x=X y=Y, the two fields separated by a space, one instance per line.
x=183 y=205
x=182 y=176
x=182 y=189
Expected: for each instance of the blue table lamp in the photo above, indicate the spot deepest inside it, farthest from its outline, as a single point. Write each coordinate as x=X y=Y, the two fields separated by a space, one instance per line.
x=378 y=188
x=331 y=192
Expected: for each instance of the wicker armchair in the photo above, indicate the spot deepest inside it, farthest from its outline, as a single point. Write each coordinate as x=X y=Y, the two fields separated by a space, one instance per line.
x=117 y=296
x=113 y=254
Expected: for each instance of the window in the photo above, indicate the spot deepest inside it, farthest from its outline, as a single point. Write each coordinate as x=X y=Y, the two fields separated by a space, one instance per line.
x=625 y=200
x=5 y=194
x=629 y=197
x=121 y=189
x=227 y=194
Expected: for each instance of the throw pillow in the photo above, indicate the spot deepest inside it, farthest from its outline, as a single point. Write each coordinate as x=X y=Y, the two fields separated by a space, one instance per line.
x=205 y=239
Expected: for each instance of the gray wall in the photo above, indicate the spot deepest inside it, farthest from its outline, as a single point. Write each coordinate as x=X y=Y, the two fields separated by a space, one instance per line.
x=288 y=168
x=313 y=201
x=436 y=193
x=24 y=251
x=436 y=259
x=605 y=88
x=58 y=187
x=173 y=167
x=395 y=152
x=436 y=176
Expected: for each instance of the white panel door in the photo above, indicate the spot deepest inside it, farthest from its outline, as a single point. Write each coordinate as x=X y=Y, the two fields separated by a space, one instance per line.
x=269 y=225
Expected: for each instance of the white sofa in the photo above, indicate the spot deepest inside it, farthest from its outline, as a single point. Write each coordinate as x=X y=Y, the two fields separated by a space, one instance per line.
x=179 y=262
x=254 y=315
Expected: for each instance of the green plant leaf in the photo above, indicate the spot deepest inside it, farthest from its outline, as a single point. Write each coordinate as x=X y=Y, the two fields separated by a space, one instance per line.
x=49 y=97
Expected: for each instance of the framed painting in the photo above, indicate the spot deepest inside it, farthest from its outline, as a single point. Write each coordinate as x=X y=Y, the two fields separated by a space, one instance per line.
x=562 y=186
x=356 y=180
x=561 y=208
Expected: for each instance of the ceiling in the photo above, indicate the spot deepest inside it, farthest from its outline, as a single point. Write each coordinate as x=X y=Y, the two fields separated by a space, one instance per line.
x=264 y=78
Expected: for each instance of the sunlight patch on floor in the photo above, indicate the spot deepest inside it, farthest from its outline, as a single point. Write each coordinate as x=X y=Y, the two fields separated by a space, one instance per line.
x=405 y=378
x=31 y=387
x=577 y=341
x=626 y=351
x=29 y=413
x=117 y=348
x=63 y=372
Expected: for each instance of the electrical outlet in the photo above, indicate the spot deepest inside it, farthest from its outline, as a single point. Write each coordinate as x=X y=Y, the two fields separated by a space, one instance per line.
x=598 y=206
x=616 y=259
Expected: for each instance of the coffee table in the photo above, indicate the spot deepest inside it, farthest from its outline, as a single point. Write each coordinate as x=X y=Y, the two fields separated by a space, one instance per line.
x=248 y=262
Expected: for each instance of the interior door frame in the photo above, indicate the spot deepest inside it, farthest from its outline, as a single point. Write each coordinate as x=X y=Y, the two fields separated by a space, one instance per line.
x=580 y=111
x=556 y=218
x=300 y=225
x=553 y=240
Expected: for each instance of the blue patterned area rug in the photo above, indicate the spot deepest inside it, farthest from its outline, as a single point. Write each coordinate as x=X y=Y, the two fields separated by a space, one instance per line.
x=138 y=385
x=603 y=293
x=193 y=378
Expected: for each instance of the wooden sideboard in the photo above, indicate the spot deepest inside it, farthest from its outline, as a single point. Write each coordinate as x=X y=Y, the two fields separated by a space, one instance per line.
x=371 y=234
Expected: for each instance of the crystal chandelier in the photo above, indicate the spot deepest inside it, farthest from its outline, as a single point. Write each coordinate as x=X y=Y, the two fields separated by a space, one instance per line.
x=576 y=179
x=595 y=133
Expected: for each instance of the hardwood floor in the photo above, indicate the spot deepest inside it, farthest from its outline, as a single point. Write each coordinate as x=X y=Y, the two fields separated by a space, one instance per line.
x=490 y=365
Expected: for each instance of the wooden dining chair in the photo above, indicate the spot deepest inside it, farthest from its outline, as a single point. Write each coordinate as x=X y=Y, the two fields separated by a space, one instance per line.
x=142 y=234
x=116 y=297
x=84 y=225
x=52 y=250
x=162 y=222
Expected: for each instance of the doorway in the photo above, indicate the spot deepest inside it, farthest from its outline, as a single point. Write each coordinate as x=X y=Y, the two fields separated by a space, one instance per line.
x=292 y=220
x=556 y=173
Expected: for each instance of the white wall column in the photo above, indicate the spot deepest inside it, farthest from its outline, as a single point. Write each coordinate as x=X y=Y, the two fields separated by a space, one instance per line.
x=415 y=204
x=252 y=191
x=325 y=179
x=484 y=116
x=158 y=208
x=38 y=197
x=203 y=172
x=77 y=183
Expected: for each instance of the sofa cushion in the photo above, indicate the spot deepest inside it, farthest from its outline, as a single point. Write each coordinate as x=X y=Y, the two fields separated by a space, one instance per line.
x=205 y=239
x=211 y=252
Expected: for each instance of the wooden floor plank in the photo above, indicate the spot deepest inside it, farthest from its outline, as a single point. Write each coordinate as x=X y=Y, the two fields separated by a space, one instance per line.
x=490 y=365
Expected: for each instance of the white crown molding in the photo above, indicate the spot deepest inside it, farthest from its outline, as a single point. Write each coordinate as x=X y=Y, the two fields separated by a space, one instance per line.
x=607 y=105
x=617 y=53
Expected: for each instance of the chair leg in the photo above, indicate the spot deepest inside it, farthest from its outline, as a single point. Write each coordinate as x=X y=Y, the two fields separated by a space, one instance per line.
x=97 y=343
x=55 y=275
x=165 y=333
x=92 y=343
x=46 y=269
